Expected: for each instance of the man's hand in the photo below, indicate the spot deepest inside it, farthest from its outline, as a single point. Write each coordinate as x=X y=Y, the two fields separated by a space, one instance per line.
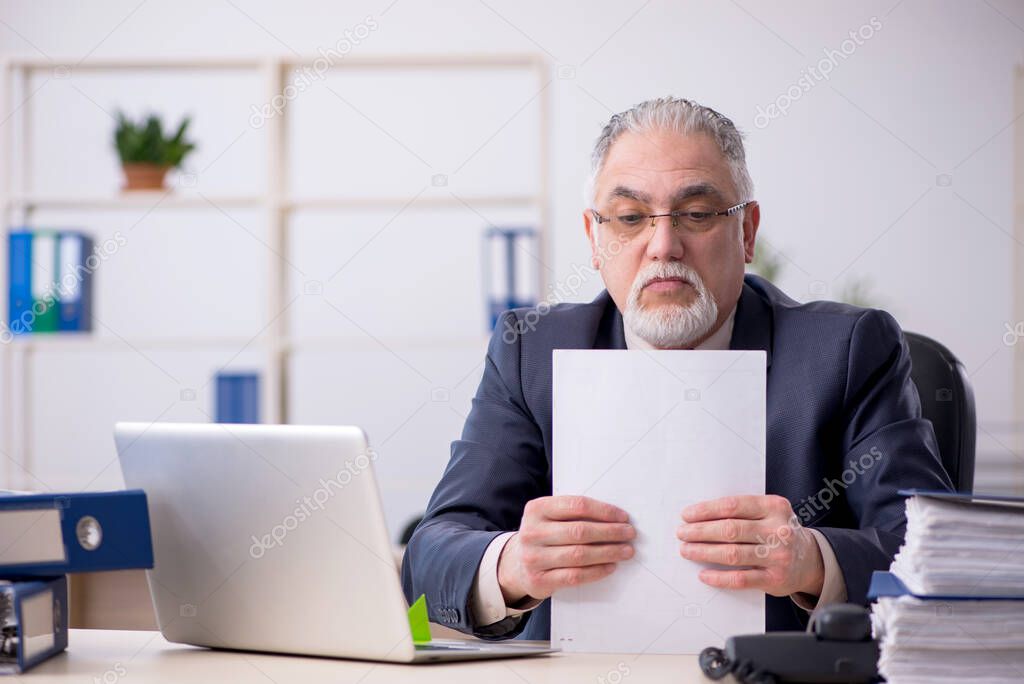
x=563 y=541
x=760 y=533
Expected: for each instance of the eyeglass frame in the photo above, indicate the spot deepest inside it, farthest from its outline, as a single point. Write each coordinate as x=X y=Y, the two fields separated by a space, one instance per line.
x=676 y=215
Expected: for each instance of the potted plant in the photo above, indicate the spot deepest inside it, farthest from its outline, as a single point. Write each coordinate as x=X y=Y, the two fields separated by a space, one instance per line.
x=146 y=153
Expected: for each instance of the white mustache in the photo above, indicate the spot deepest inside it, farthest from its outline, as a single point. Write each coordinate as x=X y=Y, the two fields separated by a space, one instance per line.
x=661 y=271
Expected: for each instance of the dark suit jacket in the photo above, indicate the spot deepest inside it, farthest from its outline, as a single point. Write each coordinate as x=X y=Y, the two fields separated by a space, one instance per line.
x=839 y=387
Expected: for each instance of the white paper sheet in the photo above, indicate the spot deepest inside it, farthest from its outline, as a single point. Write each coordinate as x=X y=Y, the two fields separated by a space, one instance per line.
x=651 y=432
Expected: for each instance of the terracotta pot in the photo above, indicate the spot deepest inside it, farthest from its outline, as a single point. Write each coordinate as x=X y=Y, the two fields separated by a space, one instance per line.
x=144 y=176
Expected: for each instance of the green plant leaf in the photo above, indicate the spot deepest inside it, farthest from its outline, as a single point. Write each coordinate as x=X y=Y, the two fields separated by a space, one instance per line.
x=144 y=141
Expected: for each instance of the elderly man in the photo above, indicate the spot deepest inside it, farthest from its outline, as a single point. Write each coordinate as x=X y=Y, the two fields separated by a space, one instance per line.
x=671 y=222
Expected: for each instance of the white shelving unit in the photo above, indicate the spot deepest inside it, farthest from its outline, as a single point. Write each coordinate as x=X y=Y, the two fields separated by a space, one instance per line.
x=18 y=202
x=1018 y=267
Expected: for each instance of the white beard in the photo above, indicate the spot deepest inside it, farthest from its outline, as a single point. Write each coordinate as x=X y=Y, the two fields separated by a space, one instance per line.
x=670 y=326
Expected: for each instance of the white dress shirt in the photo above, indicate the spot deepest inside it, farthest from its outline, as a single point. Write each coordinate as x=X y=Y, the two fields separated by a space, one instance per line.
x=488 y=603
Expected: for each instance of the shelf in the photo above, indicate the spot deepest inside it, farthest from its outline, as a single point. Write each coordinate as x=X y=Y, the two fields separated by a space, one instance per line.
x=470 y=61
x=142 y=199
x=103 y=64
x=439 y=201
x=79 y=342
x=274 y=347
x=341 y=345
x=162 y=200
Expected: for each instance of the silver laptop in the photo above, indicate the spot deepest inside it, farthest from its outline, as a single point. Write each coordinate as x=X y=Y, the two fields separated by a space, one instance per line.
x=272 y=538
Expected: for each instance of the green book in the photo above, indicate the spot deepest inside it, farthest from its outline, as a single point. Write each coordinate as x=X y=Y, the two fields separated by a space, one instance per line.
x=45 y=272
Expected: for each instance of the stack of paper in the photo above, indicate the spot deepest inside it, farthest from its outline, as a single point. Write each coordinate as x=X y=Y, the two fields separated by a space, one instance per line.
x=962 y=547
x=952 y=608
x=930 y=640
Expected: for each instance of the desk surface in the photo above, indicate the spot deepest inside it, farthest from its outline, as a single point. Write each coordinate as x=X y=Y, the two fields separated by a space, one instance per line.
x=124 y=657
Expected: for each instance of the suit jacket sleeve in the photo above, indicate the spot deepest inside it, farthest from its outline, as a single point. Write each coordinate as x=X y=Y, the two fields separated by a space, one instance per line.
x=495 y=468
x=888 y=446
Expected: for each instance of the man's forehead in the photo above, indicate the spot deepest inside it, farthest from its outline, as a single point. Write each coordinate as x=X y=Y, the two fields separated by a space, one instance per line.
x=650 y=165
x=679 y=194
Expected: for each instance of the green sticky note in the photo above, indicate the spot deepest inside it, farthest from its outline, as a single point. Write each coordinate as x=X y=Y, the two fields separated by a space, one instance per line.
x=418 y=622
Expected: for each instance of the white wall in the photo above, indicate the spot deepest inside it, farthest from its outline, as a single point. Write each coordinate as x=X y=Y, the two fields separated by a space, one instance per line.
x=848 y=180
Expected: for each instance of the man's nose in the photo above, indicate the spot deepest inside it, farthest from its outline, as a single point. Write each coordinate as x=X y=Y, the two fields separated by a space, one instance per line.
x=665 y=243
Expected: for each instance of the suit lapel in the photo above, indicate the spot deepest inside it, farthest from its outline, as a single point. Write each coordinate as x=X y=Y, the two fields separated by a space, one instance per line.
x=752 y=327
x=610 y=333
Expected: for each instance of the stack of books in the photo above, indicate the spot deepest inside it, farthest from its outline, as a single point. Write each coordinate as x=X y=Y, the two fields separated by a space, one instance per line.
x=42 y=538
x=951 y=607
x=50 y=275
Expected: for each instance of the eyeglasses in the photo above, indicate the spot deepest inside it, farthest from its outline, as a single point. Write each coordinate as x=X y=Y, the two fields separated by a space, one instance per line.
x=629 y=226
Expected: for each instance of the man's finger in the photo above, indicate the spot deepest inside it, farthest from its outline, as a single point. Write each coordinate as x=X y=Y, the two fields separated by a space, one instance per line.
x=571 y=577
x=582 y=508
x=731 y=530
x=748 y=507
x=579 y=532
x=726 y=554
x=736 y=579
x=582 y=555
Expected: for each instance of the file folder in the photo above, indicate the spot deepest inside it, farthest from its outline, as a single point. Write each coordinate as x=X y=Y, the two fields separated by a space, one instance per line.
x=885 y=584
x=53 y=534
x=510 y=281
x=19 y=281
x=75 y=281
x=238 y=398
x=44 y=281
x=33 y=622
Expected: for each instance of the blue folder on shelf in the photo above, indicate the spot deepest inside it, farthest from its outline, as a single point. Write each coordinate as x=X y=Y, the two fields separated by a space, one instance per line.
x=53 y=534
x=19 y=281
x=238 y=397
x=507 y=288
x=34 y=622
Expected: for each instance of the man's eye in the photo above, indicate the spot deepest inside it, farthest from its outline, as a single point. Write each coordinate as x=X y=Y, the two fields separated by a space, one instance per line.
x=631 y=219
x=698 y=216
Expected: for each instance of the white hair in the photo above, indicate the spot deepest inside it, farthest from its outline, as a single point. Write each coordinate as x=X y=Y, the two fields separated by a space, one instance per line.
x=681 y=116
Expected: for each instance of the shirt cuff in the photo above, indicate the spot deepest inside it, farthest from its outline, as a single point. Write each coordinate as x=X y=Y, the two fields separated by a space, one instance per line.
x=487 y=602
x=833 y=589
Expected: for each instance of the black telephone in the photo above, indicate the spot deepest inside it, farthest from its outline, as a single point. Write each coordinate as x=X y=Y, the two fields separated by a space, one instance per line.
x=836 y=648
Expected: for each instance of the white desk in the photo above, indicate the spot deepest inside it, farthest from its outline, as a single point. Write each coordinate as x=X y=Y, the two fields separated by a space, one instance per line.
x=124 y=657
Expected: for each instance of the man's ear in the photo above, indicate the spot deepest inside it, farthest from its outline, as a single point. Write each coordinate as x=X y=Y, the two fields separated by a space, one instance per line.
x=590 y=228
x=751 y=220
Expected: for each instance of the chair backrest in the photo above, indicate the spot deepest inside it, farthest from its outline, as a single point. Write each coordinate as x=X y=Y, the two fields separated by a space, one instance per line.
x=947 y=400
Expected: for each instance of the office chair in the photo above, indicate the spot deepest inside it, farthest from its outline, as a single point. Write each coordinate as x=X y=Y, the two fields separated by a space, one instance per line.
x=947 y=400
x=410 y=527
